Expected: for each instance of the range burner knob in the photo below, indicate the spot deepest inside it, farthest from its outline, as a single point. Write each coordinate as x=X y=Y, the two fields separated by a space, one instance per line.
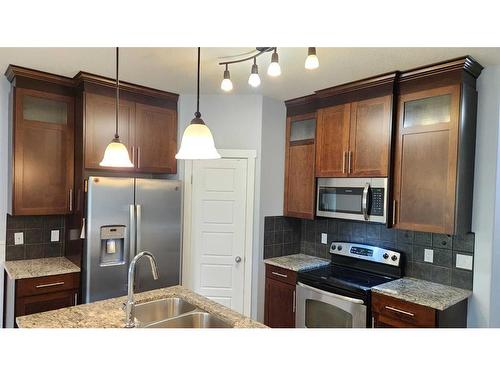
x=385 y=255
x=339 y=248
x=394 y=258
x=334 y=247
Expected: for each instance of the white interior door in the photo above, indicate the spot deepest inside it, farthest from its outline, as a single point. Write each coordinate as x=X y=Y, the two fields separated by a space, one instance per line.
x=219 y=193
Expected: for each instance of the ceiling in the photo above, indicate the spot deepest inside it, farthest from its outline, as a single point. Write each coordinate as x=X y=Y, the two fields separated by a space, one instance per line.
x=174 y=69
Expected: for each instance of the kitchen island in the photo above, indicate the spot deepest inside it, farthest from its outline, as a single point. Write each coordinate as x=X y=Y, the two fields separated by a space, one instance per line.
x=109 y=313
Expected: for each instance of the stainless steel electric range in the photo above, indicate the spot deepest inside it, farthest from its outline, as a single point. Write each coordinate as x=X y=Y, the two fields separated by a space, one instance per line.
x=339 y=295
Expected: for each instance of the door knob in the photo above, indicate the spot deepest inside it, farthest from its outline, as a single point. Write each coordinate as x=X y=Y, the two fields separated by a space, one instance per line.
x=237 y=259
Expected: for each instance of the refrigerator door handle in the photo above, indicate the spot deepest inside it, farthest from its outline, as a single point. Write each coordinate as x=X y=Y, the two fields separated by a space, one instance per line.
x=131 y=232
x=138 y=211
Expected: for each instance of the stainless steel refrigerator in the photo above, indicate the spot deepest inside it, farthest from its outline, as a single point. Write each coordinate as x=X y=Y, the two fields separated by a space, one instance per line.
x=124 y=217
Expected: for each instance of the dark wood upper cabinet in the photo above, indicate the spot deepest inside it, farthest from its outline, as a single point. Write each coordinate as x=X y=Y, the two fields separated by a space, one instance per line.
x=300 y=185
x=426 y=160
x=100 y=112
x=435 y=148
x=370 y=136
x=156 y=139
x=43 y=152
x=332 y=141
x=354 y=139
x=147 y=124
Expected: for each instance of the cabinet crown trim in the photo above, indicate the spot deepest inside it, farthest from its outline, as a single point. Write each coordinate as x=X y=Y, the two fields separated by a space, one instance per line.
x=378 y=80
x=466 y=63
x=14 y=71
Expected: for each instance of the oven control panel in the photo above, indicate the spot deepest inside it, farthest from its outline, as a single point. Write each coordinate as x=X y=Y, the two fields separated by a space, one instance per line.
x=366 y=252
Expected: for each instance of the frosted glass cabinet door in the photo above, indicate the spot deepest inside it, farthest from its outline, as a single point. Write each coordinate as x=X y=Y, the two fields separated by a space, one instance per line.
x=301 y=130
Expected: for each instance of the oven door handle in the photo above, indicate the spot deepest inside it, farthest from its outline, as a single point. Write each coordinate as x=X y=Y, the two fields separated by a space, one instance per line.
x=365 y=201
x=344 y=298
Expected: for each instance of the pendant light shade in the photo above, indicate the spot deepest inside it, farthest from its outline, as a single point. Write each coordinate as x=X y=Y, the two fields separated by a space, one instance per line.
x=116 y=153
x=197 y=141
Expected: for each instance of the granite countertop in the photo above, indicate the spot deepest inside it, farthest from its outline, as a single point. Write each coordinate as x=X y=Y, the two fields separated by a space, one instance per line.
x=422 y=292
x=297 y=262
x=25 y=269
x=109 y=313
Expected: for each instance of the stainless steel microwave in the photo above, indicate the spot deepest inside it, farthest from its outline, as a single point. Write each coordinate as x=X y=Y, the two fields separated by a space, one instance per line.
x=363 y=199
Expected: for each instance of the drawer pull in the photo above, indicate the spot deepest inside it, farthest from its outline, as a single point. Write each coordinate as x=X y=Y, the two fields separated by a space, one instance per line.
x=279 y=274
x=399 y=311
x=51 y=284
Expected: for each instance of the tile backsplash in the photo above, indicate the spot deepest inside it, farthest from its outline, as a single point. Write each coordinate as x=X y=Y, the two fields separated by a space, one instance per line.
x=36 y=232
x=281 y=236
x=413 y=244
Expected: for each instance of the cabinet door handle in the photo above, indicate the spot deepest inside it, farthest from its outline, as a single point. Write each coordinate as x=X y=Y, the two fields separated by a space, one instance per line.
x=49 y=285
x=70 y=200
x=133 y=154
x=343 y=161
x=294 y=302
x=399 y=311
x=138 y=157
x=76 y=299
x=350 y=162
x=394 y=202
x=279 y=274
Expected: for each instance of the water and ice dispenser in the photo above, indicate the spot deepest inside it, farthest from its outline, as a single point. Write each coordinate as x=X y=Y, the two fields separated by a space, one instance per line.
x=112 y=245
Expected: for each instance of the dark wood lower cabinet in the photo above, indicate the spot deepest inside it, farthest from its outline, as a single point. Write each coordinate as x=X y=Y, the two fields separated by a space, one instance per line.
x=389 y=312
x=45 y=302
x=39 y=294
x=279 y=310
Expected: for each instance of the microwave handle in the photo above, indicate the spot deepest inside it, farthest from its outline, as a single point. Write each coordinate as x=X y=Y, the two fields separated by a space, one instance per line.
x=364 y=201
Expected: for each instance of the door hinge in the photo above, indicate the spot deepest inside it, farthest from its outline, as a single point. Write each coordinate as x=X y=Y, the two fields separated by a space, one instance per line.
x=191 y=178
x=85 y=185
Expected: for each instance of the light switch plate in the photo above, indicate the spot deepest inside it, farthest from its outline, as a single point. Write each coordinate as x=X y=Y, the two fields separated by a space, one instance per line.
x=19 y=238
x=324 y=238
x=429 y=255
x=54 y=236
x=464 y=261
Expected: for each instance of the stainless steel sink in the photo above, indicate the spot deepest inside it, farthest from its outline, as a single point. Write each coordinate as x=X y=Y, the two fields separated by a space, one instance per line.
x=159 y=310
x=197 y=319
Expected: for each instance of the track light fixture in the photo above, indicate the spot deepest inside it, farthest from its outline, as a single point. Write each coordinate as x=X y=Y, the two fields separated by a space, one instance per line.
x=273 y=70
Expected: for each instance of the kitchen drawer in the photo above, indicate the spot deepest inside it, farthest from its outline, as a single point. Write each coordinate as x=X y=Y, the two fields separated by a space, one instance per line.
x=389 y=311
x=281 y=274
x=47 y=284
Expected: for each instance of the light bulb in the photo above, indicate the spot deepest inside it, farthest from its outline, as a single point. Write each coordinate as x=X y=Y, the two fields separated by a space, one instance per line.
x=226 y=83
x=274 y=68
x=254 y=79
x=312 y=61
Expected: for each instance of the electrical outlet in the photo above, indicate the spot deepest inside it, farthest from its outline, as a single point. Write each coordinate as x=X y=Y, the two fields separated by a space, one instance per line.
x=19 y=238
x=429 y=255
x=54 y=236
x=324 y=238
x=464 y=262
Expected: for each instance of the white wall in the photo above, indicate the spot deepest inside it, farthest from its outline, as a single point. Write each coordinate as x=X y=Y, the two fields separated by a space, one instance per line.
x=236 y=123
x=272 y=180
x=484 y=309
x=4 y=110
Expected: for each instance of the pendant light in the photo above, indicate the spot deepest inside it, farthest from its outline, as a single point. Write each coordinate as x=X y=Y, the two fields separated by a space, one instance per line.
x=312 y=61
x=116 y=154
x=197 y=141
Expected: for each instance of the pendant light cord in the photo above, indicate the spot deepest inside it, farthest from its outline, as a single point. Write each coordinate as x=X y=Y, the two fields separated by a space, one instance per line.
x=117 y=95
x=198 y=114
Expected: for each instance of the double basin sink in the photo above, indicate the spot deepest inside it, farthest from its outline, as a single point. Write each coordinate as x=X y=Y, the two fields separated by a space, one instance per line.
x=174 y=313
